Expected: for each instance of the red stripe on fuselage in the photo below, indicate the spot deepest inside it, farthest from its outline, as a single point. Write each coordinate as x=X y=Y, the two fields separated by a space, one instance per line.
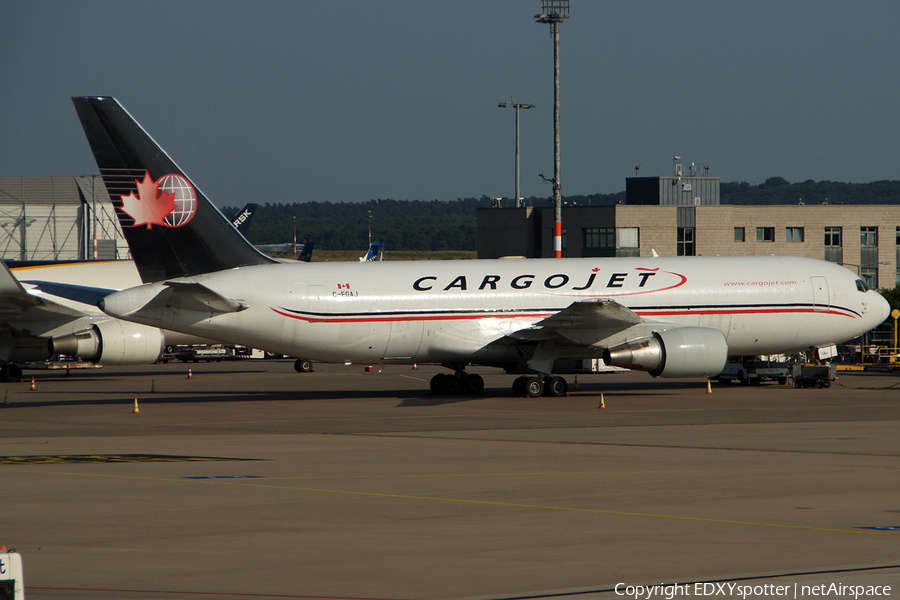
x=748 y=311
x=387 y=319
x=488 y=315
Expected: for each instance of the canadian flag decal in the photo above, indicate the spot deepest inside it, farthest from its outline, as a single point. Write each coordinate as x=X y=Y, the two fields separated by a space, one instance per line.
x=343 y=286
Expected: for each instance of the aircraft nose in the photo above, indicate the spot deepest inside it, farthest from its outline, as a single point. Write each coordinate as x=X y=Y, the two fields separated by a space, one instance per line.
x=880 y=307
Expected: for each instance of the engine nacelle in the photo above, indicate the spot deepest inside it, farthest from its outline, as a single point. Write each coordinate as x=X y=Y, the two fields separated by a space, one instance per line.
x=679 y=352
x=112 y=342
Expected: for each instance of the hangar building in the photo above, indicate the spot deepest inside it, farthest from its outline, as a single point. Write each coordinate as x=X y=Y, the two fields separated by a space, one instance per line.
x=54 y=218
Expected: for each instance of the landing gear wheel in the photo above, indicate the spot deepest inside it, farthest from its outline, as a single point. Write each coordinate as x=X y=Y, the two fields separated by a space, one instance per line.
x=303 y=365
x=437 y=383
x=444 y=383
x=518 y=386
x=534 y=387
x=451 y=384
x=11 y=372
x=473 y=384
x=556 y=386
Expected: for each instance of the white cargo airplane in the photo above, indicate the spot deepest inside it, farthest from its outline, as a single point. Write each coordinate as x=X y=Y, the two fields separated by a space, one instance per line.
x=671 y=317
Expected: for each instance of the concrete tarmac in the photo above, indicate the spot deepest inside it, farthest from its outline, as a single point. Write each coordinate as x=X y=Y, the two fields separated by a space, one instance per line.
x=250 y=480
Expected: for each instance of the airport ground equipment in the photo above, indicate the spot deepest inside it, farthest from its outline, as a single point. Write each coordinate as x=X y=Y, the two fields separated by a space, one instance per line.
x=747 y=371
x=808 y=375
x=12 y=582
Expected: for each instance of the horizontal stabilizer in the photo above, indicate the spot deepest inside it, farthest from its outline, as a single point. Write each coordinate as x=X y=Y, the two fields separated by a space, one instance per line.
x=194 y=297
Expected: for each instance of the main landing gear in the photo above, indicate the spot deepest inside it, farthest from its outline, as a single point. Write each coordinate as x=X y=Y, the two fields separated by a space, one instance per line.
x=444 y=384
x=10 y=372
x=531 y=386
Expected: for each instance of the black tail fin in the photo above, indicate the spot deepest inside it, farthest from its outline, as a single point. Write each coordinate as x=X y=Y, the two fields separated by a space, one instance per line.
x=171 y=228
x=241 y=220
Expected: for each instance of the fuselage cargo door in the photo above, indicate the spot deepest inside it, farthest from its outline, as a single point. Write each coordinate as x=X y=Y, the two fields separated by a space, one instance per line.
x=821 y=300
x=717 y=320
x=406 y=337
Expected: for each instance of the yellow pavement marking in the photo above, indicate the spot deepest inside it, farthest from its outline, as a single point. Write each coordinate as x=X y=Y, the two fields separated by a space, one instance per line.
x=517 y=505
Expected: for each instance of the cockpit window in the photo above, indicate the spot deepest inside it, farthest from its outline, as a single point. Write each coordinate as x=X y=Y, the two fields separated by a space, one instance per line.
x=861 y=285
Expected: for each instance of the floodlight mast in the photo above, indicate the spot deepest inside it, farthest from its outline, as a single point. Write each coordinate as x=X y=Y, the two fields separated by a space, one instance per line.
x=555 y=12
x=517 y=106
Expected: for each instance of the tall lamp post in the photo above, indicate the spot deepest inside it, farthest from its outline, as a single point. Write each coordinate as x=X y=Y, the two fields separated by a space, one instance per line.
x=555 y=12
x=517 y=106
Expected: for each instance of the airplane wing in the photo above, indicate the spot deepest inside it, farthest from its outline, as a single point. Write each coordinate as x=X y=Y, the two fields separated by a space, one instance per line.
x=19 y=305
x=581 y=323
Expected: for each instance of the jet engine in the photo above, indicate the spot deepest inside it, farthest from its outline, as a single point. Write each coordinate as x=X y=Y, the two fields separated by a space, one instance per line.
x=679 y=352
x=112 y=342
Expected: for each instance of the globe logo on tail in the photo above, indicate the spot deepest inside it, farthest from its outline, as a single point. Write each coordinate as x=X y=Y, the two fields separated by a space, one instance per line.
x=170 y=202
x=185 y=199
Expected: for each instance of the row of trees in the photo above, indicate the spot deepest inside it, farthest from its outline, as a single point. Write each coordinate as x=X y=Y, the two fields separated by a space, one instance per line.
x=777 y=190
x=402 y=225
x=437 y=226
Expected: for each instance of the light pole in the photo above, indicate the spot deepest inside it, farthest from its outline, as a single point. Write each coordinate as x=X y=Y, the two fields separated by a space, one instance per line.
x=555 y=12
x=517 y=106
x=94 y=209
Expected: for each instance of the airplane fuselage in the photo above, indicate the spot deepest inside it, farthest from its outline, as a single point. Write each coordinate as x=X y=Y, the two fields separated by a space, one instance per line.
x=461 y=311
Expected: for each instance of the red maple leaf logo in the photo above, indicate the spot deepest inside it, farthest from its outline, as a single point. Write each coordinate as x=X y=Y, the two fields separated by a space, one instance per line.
x=150 y=206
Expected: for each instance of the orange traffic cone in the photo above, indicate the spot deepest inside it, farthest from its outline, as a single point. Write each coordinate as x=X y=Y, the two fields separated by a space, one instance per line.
x=415 y=367
x=190 y=374
x=33 y=387
x=135 y=409
x=708 y=386
x=602 y=403
x=6 y=398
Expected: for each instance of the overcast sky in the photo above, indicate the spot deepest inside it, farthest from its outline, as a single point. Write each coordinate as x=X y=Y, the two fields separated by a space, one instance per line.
x=340 y=100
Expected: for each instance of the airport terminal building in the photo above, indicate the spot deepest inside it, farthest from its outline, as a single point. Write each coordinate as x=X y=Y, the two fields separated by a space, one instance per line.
x=682 y=216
